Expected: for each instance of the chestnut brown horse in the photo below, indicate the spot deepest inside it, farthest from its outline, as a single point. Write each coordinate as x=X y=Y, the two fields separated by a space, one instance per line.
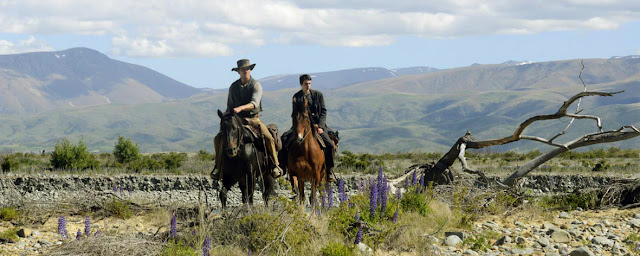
x=305 y=157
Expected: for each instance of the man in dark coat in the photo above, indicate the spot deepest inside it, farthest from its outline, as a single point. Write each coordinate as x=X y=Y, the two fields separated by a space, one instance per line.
x=318 y=114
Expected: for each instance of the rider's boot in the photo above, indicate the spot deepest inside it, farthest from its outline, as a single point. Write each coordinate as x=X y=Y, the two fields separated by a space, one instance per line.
x=330 y=176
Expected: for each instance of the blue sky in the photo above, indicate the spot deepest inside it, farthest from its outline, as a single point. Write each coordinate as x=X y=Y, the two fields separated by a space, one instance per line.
x=197 y=42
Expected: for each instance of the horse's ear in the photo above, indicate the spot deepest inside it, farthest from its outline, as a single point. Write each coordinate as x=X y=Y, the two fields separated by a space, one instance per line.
x=220 y=114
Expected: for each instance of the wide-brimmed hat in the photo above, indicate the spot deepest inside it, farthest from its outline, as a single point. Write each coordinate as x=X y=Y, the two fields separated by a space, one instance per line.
x=244 y=63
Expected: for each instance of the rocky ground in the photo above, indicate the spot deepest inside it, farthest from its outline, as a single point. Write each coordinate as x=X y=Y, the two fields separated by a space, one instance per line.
x=604 y=232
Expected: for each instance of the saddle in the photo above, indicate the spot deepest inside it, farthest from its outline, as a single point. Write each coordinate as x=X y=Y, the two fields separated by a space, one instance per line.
x=290 y=137
x=257 y=138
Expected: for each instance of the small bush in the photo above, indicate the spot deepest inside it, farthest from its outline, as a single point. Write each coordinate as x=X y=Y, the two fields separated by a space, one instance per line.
x=413 y=202
x=336 y=249
x=125 y=151
x=119 y=209
x=9 y=214
x=66 y=155
x=178 y=248
x=10 y=235
x=174 y=160
x=203 y=155
x=146 y=162
x=9 y=163
x=585 y=200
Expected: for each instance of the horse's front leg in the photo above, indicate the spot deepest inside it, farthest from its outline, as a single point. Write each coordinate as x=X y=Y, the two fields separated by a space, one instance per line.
x=222 y=194
x=300 y=188
x=294 y=186
x=314 y=186
x=243 y=189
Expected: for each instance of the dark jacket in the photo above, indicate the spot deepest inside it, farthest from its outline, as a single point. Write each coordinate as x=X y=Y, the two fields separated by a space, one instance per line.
x=240 y=94
x=316 y=107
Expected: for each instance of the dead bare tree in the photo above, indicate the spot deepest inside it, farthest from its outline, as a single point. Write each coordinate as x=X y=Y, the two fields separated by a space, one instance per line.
x=440 y=173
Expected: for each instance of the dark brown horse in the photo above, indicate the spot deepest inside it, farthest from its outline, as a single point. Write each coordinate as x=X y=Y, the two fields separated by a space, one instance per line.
x=305 y=157
x=242 y=161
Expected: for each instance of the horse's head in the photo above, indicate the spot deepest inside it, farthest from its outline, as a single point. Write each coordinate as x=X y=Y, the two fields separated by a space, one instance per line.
x=232 y=133
x=301 y=120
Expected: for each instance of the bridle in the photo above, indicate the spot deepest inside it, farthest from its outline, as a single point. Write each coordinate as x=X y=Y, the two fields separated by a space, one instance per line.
x=235 y=123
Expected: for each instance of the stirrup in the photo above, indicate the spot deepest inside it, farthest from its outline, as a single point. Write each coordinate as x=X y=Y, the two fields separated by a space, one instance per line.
x=216 y=174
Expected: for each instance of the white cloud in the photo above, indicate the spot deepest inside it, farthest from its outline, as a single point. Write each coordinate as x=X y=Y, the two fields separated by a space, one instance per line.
x=30 y=44
x=202 y=28
x=144 y=47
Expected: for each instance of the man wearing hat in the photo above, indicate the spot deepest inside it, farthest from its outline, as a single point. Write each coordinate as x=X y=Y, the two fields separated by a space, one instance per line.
x=245 y=99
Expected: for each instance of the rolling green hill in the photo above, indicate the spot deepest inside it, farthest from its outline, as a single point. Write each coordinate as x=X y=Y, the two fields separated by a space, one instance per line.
x=424 y=112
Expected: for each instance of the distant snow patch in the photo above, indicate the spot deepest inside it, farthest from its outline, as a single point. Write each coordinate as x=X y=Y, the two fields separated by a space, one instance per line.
x=524 y=63
x=57 y=56
x=71 y=104
x=108 y=101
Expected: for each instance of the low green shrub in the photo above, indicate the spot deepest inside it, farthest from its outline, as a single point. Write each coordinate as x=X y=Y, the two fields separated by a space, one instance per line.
x=336 y=249
x=173 y=160
x=10 y=235
x=119 y=209
x=415 y=202
x=9 y=213
x=203 y=155
x=9 y=163
x=178 y=248
x=66 y=155
x=584 y=200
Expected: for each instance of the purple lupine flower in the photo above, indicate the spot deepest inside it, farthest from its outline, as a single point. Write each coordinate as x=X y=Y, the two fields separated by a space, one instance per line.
x=406 y=182
x=249 y=252
x=395 y=216
x=115 y=188
x=130 y=191
x=342 y=196
x=372 y=200
x=329 y=195
x=357 y=217
x=206 y=246
x=380 y=183
x=324 y=200
x=358 y=235
x=174 y=229
x=398 y=193
x=383 y=198
x=194 y=232
x=121 y=190
x=97 y=233
x=87 y=226
x=422 y=180
x=414 y=178
x=62 y=227
x=78 y=234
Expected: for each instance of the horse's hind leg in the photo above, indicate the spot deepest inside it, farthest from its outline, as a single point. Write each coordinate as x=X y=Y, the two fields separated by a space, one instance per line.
x=269 y=188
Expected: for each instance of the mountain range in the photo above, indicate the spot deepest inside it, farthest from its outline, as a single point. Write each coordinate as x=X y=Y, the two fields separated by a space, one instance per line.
x=78 y=77
x=376 y=109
